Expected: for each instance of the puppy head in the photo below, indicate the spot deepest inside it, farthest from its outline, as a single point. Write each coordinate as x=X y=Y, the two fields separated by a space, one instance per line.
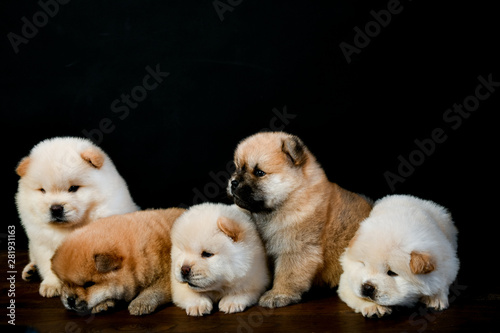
x=210 y=247
x=385 y=273
x=91 y=275
x=60 y=181
x=269 y=166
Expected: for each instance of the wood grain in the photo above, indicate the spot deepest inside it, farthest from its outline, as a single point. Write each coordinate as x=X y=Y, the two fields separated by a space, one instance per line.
x=320 y=311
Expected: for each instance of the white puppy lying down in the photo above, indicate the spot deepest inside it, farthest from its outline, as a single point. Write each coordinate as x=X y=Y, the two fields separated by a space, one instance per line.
x=216 y=255
x=404 y=252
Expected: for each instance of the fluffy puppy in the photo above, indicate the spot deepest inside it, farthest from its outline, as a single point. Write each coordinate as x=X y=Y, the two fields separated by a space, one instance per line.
x=217 y=255
x=404 y=252
x=122 y=257
x=65 y=184
x=305 y=220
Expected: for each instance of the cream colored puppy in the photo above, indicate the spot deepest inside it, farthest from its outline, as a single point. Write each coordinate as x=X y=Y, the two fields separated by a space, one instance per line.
x=404 y=252
x=217 y=255
x=65 y=184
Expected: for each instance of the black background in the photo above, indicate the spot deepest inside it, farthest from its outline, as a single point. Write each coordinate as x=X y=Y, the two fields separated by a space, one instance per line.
x=226 y=78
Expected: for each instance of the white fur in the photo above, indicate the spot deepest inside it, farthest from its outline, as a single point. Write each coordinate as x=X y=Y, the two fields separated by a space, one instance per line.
x=397 y=226
x=236 y=274
x=56 y=165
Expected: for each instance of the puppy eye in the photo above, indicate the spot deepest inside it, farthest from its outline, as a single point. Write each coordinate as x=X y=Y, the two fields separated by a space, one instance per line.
x=73 y=188
x=42 y=190
x=206 y=254
x=88 y=284
x=259 y=173
x=391 y=273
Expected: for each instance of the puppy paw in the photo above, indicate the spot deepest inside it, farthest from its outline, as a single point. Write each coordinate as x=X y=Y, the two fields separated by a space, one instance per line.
x=29 y=272
x=373 y=309
x=50 y=288
x=103 y=306
x=271 y=299
x=139 y=307
x=437 y=302
x=202 y=307
x=233 y=304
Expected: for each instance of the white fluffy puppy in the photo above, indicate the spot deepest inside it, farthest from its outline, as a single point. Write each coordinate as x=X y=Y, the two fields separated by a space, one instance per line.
x=65 y=183
x=216 y=255
x=404 y=252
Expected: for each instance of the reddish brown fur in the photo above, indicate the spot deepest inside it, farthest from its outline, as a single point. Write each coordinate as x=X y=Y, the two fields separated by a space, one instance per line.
x=131 y=250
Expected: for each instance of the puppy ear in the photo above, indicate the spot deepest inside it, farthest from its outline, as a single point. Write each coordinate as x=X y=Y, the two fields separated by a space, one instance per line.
x=230 y=228
x=22 y=167
x=295 y=150
x=107 y=262
x=421 y=263
x=94 y=157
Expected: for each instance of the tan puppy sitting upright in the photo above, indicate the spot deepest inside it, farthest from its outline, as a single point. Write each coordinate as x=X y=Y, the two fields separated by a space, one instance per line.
x=305 y=220
x=123 y=257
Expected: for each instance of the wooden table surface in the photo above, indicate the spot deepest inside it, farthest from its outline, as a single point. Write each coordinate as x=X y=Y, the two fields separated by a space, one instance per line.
x=320 y=311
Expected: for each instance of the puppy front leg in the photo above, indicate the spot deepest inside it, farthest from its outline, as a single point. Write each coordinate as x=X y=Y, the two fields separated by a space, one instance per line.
x=51 y=285
x=293 y=275
x=103 y=306
x=149 y=299
x=233 y=303
x=195 y=304
x=30 y=268
x=438 y=301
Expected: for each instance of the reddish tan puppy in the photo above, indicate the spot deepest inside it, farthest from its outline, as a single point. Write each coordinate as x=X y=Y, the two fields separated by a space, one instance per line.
x=305 y=220
x=123 y=257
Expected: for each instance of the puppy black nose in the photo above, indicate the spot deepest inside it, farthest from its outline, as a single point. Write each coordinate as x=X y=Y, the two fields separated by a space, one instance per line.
x=234 y=184
x=71 y=302
x=368 y=290
x=185 y=270
x=57 y=210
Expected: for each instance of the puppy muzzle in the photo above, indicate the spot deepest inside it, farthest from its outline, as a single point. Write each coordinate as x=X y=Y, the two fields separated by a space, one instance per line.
x=72 y=303
x=195 y=281
x=244 y=196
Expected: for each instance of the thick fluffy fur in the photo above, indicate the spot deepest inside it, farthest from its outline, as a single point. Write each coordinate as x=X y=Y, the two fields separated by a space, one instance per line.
x=305 y=220
x=217 y=255
x=122 y=257
x=65 y=184
x=405 y=251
